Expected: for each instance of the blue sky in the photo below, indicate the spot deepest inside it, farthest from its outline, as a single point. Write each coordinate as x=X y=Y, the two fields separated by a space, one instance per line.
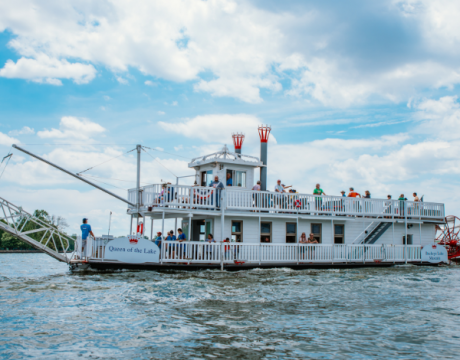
x=359 y=94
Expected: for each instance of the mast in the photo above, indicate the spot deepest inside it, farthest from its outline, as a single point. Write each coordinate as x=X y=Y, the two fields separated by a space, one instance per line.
x=74 y=175
x=138 y=182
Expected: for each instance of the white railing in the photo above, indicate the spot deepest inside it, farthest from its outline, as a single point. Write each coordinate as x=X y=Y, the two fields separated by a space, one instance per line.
x=196 y=197
x=195 y=252
x=177 y=196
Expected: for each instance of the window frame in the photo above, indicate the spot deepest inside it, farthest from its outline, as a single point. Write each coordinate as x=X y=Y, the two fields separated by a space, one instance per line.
x=291 y=234
x=342 y=236
x=319 y=236
x=236 y=233
x=266 y=234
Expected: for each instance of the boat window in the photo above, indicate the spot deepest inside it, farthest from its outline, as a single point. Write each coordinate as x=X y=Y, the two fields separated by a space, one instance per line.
x=206 y=178
x=237 y=231
x=291 y=232
x=227 y=179
x=202 y=231
x=265 y=232
x=409 y=239
x=339 y=234
x=316 y=231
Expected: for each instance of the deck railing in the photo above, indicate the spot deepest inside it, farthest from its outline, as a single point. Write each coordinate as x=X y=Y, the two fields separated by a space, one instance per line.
x=195 y=252
x=200 y=197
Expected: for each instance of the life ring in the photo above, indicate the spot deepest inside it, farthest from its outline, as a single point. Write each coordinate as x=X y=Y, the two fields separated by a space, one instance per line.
x=140 y=228
x=297 y=203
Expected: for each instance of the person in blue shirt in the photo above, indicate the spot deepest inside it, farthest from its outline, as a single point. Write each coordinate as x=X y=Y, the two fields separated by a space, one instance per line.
x=181 y=238
x=85 y=231
x=171 y=237
x=158 y=240
x=229 y=179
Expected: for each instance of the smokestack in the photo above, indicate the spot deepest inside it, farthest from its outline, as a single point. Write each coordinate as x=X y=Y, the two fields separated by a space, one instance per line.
x=264 y=132
x=238 y=142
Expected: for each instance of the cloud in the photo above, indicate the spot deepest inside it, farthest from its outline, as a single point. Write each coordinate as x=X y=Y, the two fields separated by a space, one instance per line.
x=150 y=83
x=161 y=112
x=46 y=70
x=217 y=128
x=24 y=131
x=106 y=97
x=73 y=128
x=6 y=140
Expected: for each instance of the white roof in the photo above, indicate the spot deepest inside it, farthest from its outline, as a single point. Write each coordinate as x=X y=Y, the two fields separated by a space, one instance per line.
x=225 y=156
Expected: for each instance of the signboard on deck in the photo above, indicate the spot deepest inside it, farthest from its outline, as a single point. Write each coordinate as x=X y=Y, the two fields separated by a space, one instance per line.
x=434 y=253
x=132 y=249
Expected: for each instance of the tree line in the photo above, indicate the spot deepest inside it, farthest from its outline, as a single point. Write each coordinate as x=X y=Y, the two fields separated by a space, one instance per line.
x=10 y=242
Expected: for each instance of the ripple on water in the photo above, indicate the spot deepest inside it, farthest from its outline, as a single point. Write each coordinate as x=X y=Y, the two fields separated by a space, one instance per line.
x=400 y=312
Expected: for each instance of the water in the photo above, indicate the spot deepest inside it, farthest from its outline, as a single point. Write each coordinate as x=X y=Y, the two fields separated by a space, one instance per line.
x=402 y=312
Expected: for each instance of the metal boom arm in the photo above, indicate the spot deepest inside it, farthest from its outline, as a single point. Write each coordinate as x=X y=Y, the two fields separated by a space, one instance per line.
x=74 y=175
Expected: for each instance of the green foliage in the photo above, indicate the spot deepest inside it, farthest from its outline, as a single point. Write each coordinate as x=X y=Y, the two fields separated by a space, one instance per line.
x=10 y=242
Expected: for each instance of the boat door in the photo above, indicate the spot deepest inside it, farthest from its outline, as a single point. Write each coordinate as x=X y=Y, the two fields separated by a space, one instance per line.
x=208 y=227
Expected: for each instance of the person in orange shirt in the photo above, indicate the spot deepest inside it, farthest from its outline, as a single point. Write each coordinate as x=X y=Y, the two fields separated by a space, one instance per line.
x=353 y=193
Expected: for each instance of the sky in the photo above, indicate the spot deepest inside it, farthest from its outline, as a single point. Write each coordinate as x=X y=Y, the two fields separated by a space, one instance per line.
x=357 y=93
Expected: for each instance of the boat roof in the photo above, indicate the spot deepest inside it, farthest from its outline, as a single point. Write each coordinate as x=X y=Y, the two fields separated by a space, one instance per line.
x=226 y=156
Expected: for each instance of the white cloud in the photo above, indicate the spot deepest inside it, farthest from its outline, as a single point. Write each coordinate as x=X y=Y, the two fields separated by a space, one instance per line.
x=106 y=97
x=217 y=128
x=242 y=47
x=44 y=69
x=73 y=128
x=178 y=148
x=161 y=113
x=24 y=131
x=6 y=140
x=122 y=80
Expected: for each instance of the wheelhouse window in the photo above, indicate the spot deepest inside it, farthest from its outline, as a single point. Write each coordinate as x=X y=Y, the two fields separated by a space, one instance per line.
x=291 y=232
x=235 y=178
x=206 y=177
x=316 y=231
x=240 y=178
x=237 y=231
x=265 y=232
x=339 y=234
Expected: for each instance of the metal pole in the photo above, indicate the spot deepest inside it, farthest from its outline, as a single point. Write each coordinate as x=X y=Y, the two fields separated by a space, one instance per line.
x=260 y=243
x=151 y=230
x=175 y=222
x=296 y=239
x=394 y=249
x=74 y=175
x=405 y=228
x=138 y=182
x=131 y=226
x=163 y=224
x=263 y=169
x=110 y=221
x=223 y=203
x=420 y=229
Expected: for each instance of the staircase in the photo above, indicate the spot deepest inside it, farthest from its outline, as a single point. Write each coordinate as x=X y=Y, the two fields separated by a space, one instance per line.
x=375 y=234
x=53 y=242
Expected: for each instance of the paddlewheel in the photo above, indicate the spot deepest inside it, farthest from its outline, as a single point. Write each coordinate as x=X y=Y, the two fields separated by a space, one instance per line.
x=448 y=235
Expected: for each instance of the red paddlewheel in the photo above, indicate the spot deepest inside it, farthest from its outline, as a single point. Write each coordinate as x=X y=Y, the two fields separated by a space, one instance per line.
x=448 y=235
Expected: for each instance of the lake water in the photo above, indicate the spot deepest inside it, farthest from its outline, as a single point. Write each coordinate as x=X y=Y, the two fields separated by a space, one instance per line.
x=403 y=312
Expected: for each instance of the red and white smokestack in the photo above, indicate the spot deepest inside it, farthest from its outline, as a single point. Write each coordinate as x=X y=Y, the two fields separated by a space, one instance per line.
x=238 y=142
x=264 y=133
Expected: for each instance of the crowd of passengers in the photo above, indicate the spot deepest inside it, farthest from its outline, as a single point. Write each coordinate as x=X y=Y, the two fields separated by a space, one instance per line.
x=167 y=192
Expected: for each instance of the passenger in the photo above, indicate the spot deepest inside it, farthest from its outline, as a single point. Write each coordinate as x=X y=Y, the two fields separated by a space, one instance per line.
x=303 y=240
x=227 y=249
x=343 y=193
x=229 y=179
x=353 y=193
x=181 y=238
x=318 y=201
x=256 y=187
x=216 y=184
x=85 y=231
x=416 y=198
x=279 y=188
x=171 y=237
x=367 y=194
x=266 y=240
x=312 y=240
x=158 y=240
x=416 y=207
x=388 y=209
x=210 y=240
x=401 y=199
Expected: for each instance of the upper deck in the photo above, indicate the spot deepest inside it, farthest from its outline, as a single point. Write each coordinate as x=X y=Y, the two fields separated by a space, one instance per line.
x=199 y=198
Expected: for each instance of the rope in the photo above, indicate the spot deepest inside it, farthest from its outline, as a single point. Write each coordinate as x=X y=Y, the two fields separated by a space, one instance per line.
x=166 y=152
x=9 y=156
x=116 y=157
x=105 y=183
x=159 y=162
